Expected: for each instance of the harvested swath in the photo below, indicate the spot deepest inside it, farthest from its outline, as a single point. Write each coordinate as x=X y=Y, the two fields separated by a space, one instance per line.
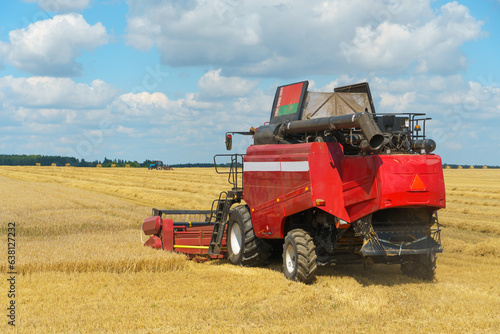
x=182 y=188
x=224 y=298
x=120 y=251
x=49 y=209
x=488 y=248
x=472 y=200
x=469 y=224
x=160 y=263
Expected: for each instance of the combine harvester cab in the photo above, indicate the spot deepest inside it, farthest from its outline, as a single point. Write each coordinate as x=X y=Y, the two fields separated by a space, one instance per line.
x=330 y=181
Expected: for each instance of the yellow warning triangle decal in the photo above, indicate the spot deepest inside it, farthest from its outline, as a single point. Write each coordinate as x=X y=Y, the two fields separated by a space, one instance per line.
x=417 y=184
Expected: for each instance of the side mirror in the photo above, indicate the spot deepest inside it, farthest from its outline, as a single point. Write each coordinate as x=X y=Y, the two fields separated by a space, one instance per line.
x=229 y=141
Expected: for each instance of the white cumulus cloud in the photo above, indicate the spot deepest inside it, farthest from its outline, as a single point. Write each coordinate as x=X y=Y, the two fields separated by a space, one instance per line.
x=143 y=104
x=48 y=92
x=51 y=47
x=213 y=85
x=288 y=38
x=433 y=47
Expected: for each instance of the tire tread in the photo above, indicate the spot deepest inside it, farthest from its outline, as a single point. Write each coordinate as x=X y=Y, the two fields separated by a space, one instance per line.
x=306 y=256
x=256 y=252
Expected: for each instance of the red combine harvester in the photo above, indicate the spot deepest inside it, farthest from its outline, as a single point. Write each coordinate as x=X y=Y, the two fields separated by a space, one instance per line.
x=330 y=181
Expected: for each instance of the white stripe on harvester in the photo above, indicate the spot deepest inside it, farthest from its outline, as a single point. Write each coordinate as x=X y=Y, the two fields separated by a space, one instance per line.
x=295 y=166
x=262 y=166
x=276 y=166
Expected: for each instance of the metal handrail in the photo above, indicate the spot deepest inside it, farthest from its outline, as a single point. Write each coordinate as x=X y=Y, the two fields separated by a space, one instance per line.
x=413 y=121
x=234 y=171
x=214 y=207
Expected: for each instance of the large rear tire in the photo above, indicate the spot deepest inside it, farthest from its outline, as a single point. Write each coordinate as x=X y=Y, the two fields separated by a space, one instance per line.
x=243 y=247
x=299 y=257
x=422 y=267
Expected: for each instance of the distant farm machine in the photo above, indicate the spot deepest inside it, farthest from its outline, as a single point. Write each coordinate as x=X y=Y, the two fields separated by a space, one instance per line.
x=329 y=181
x=158 y=164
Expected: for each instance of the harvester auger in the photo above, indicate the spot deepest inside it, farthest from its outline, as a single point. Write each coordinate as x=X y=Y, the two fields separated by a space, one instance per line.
x=330 y=181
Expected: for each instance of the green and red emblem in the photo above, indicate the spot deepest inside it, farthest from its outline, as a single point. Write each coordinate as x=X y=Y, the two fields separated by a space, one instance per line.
x=288 y=99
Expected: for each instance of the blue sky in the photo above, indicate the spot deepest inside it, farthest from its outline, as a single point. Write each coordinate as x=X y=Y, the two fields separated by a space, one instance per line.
x=166 y=79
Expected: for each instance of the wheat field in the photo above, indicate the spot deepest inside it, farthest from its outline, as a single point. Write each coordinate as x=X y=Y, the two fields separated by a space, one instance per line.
x=82 y=268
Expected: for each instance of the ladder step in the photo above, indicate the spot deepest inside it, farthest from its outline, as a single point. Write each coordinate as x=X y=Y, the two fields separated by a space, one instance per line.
x=222 y=205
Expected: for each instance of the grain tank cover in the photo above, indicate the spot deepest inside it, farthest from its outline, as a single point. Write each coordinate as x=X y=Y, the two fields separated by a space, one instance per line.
x=293 y=102
x=344 y=100
x=362 y=87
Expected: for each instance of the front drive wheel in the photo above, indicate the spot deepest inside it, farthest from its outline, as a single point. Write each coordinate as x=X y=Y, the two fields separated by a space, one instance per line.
x=243 y=247
x=299 y=257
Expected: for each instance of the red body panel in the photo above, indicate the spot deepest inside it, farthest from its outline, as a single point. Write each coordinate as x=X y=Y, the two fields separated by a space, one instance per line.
x=195 y=236
x=154 y=242
x=281 y=180
x=152 y=225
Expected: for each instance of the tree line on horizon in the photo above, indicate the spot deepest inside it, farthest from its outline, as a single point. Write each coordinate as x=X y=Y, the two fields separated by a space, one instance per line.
x=48 y=160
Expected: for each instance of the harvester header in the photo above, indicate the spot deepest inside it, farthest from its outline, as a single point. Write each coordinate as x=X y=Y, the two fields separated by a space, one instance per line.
x=327 y=181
